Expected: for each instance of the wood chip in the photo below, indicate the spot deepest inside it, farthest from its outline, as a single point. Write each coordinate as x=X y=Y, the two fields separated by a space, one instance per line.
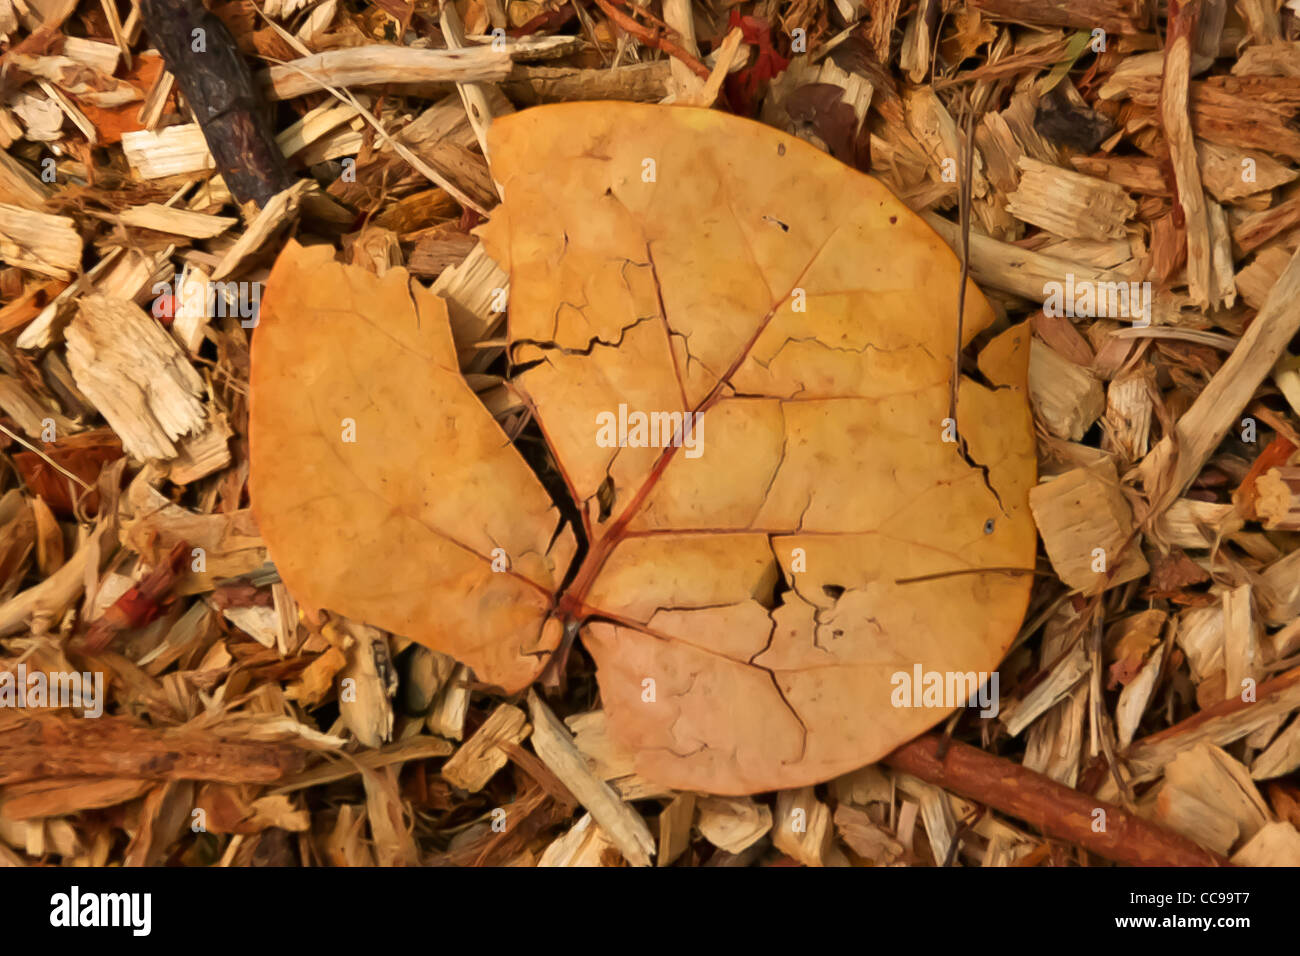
x=556 y=748
x=1087 y=528
x=480 y=757
x=803 y=826
x=1066 y=397
x=136 y=375
x=178 y=222
x=40 y=242
x=1069 y=203
x=383 y=64
x=174 y=151
x=733 y=823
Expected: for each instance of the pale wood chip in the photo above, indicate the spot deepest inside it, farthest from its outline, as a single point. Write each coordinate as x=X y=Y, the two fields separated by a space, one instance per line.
x=555 y=746
x=479 y=758
x=136 y=375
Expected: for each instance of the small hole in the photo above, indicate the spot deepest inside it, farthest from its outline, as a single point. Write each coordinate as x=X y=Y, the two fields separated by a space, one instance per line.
x=988 y=526
x=605 y=499
x=893 y=220
x=780 y=149
x=833 y=591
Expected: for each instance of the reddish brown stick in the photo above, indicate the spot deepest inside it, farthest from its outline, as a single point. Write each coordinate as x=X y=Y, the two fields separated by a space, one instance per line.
x=652 y=38
x=1054 y=809
x=38 y=746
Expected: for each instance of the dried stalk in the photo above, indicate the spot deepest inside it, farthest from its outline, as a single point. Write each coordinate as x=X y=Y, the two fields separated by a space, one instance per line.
x=1055 y=809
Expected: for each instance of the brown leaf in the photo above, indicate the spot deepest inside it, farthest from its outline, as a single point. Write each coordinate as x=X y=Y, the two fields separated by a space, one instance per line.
x=821 y=107
x=753 y=583
x=1174 y=571
x=1129 y=643
x=83 y=455
x=112 y=121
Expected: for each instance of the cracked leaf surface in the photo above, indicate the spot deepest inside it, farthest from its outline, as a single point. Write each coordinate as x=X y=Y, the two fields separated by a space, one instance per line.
x=809 y=317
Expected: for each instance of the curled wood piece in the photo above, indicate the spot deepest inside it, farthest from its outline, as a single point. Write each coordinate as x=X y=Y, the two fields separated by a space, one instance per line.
x=1055 y=809
x=1177 y=123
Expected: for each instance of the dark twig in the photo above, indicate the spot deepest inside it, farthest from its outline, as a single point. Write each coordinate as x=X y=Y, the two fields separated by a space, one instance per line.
x=216 y=82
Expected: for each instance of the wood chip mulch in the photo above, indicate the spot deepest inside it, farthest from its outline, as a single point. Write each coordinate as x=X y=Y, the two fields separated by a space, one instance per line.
x=1146 y=155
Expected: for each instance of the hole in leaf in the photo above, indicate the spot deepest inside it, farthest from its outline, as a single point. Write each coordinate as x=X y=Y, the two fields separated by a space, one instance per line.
x=605 y=498
x=771 y=591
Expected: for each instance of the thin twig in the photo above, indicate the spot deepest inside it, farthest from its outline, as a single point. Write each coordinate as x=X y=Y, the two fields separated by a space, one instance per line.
x=653 y=38
x=963 y=205
x=953 y=574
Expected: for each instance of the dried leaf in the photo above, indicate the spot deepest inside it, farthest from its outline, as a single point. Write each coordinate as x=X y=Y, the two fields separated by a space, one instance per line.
x=754 y=579
x=1130 y=641
x=396 y=528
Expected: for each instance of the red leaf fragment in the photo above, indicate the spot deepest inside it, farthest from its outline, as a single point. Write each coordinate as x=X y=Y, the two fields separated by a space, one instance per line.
x=745 y=87
x=140 y=605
